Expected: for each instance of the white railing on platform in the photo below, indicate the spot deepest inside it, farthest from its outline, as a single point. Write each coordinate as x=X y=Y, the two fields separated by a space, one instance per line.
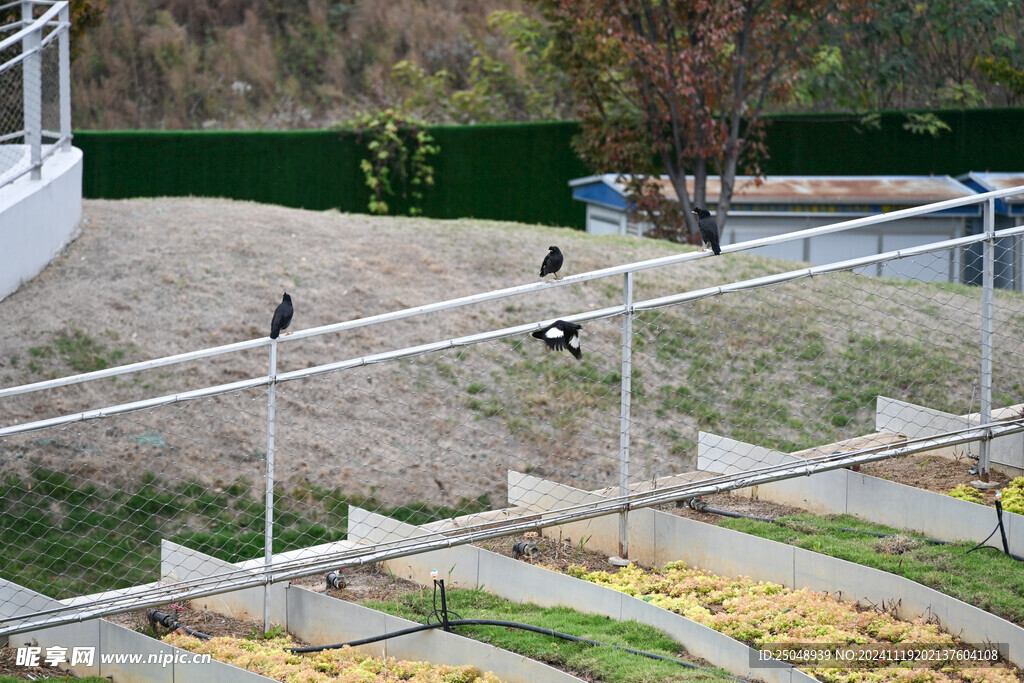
x=35 y=87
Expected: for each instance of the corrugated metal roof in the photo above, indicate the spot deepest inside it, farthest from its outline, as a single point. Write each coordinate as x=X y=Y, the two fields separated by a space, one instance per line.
x=901 y=190
x=991 y=180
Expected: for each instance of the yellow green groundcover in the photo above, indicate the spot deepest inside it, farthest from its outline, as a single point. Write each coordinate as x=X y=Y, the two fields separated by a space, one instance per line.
x=758 y=612
x=1012 y=501
x=269 y=658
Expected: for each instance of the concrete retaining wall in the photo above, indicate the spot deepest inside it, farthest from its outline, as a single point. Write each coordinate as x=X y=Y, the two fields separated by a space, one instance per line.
x=322 y=620
x=658 y=537
x=38 y=218
x=1007 y=452
x=876 y=500
x=169 y=665
x=471 y=567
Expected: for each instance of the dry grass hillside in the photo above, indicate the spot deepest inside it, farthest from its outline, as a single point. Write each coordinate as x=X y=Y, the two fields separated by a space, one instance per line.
x=787 y=366
x=174 y=64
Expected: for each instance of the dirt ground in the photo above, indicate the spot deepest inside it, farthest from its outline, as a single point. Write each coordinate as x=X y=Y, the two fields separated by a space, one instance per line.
x=149 y=278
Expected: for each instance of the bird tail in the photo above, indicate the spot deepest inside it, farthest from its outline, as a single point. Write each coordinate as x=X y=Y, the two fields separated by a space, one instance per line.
x=716 y=248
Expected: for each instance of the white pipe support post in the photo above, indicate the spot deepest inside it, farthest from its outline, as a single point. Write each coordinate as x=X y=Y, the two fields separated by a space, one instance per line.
x=987 y=332
x=268 y=528
x=32 y=95
x=64 y=55
x=625 y=417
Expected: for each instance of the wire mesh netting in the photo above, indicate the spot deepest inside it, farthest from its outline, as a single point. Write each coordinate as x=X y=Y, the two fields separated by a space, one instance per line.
x=428 y=435
x=30 y=98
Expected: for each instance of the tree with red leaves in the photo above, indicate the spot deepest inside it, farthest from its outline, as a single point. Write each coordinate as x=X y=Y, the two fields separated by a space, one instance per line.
x=681 y=86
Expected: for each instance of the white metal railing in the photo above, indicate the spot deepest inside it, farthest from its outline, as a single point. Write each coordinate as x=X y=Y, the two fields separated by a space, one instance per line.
x=39 y=76
x=270 y=572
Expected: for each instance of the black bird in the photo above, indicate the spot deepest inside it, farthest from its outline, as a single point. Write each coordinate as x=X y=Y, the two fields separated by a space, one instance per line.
x=552 y=263
x=282 y=317
x=561 y=335
x=708 y=230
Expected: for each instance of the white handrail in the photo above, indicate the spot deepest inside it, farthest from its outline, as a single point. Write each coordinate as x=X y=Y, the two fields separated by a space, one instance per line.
x=37 y=25
x=565 y=281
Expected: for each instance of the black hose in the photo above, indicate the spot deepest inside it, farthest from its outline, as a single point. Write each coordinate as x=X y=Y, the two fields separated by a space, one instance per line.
x=933 y=541
x=446 y=623
x=737 y=515
x=727 y=513
x=171 y=622
x=1002 y=531
x=509 y=624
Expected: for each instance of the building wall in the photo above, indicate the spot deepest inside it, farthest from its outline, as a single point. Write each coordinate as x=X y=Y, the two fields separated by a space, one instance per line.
x=38 y=218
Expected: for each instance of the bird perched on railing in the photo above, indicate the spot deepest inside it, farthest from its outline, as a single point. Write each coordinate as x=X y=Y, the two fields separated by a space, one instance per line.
x=552 y=263
x=561 y=335
x=282 y=317
x=708 y=230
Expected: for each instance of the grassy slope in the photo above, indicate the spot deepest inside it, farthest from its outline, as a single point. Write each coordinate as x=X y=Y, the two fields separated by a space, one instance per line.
x=606 y=664
x=985 y=578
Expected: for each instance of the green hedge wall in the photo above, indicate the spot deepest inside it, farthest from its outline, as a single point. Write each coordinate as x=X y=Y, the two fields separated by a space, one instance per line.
x=980 y=140
x=510 y=171
x=504 y=172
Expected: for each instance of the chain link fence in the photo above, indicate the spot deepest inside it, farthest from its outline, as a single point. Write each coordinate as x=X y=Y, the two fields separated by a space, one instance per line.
x=786 y=361
x=35 y=86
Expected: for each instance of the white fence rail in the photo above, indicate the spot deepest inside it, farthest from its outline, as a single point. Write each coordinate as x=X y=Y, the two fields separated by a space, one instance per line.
x=35 y=87
x=271 y=462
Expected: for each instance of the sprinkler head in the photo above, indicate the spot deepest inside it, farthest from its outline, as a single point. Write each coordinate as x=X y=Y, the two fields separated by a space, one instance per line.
x=335 y=580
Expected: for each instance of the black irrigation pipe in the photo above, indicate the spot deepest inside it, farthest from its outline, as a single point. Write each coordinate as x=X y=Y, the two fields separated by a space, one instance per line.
x=933 y=541
x=727 y=513
x=1002 y=532
x=510 y=624
x=171 y=622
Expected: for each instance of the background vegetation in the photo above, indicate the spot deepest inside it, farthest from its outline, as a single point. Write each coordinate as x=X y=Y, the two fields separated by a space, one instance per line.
x=286 y=64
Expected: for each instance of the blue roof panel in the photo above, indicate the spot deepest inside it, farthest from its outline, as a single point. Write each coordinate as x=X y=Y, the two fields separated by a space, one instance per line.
x=601 y=193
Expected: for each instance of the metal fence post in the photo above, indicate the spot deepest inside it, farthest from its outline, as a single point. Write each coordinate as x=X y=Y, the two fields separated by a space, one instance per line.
x=64 y=70
x=268 y=529
x=624 y=412
x=32 y=97
x=987 y=331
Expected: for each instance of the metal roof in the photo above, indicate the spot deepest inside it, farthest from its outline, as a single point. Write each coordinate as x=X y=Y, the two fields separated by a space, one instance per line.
x=987 y=181
x=826 y=194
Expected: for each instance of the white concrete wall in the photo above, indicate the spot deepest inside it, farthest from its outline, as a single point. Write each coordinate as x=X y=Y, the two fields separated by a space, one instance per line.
x=322 y=620
x=876 y=500
x=109 y=638
x=1007 y=452
x=656 y=538
x=38 y=218
x=472 y=567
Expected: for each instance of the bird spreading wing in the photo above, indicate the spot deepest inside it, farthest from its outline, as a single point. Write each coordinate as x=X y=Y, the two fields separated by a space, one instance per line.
x=282 y=317
x=708 y=230
x=552 y=263
x=562 y=335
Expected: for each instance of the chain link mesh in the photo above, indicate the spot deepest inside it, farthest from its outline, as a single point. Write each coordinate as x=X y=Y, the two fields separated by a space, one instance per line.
x=30 y=100
x=791 y=366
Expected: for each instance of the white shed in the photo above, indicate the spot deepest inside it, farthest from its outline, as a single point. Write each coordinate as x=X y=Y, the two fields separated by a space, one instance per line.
x=783 y=204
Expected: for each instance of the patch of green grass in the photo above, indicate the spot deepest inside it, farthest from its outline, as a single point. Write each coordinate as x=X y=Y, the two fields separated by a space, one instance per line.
x=63 y=539
x=78 y=350
x=985 y=578
x=594 y=662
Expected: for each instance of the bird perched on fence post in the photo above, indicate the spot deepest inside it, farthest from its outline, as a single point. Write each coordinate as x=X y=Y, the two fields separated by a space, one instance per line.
x=282 y=317
x=552 y=263
x=561 y=335
x=708 y=230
